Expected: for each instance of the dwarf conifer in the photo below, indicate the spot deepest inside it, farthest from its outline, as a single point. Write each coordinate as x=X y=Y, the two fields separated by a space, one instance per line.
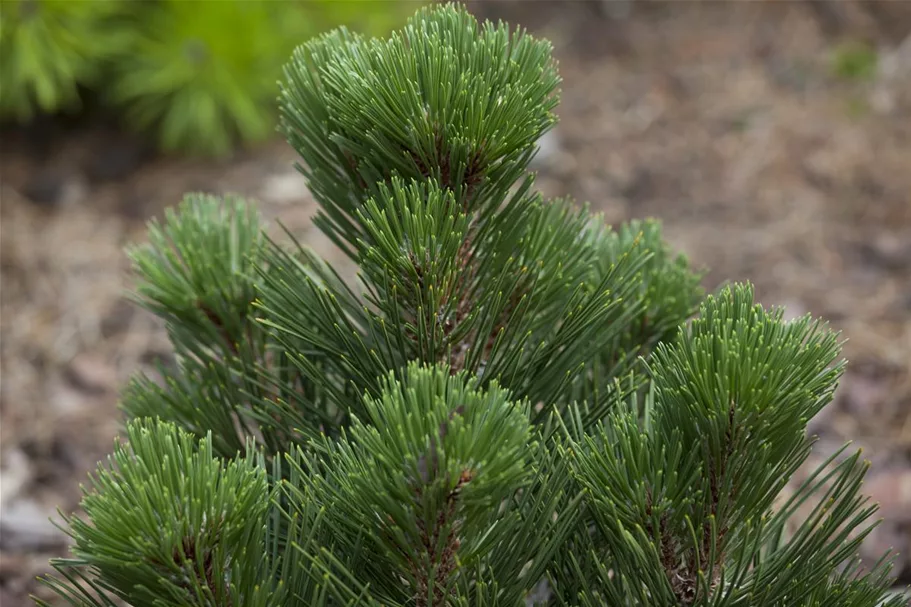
x=514 y=404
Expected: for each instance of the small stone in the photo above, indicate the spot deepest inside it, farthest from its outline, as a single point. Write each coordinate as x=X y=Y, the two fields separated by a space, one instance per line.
x=116 y=159
x=135 y=205
x=837 y=18
x=92 y=374
x=888 y=251
x=26 y=526
x=639 y=186
x=885 y=537
x=6 y=597
x=40 y=135
x=53 y=188
x=46 y=188
x=118 y=317
x=14 y=474
x=549 y=148
x=11 y=566
x=892 y=491
x=17 y=574
x=793 y=310
x=285 y=188
x=883 y=101
x=862 y=395
x=617 y=10
x=66 y=398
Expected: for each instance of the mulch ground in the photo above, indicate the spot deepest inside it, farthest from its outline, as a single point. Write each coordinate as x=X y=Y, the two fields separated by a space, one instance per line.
x=724 y=120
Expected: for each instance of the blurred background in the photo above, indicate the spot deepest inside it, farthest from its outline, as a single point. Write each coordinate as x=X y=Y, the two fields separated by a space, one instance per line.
x=773 y=139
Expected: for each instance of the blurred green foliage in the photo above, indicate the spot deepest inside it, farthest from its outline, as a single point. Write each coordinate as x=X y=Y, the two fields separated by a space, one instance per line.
x=854 y=61
x=49 y=47
x=198 y=75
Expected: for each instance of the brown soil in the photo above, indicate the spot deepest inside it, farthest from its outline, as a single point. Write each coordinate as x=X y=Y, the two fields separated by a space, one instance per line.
x=724 y=120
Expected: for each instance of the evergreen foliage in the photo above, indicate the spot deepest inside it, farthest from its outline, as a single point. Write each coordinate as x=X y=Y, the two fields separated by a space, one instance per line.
x=516 y=403
x=49 y=47
x=198 y=75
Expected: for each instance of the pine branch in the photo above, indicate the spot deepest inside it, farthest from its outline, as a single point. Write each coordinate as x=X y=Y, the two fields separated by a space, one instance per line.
x=171 y=524
x=197 y=271
x=691 y=524
x=437 y=483
x=201 y=272
x=49 y=49
x=445 y=99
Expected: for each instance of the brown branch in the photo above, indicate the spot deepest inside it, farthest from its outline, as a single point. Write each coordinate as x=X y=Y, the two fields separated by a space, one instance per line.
x=219 y=324
x=682 y=580
x=511 y=305
x=352 y=165
x=473 y=177
x=684 y=577
x=474 y=172
x=190 y=550
x=188 y=555
x=716 y=477
x=443 y=159
x=445 y=522
x=467 y=269
x=443 y=561
x=466 y=274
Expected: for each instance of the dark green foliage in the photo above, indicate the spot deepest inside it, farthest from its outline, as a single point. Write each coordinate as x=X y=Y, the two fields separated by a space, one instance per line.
x=441 y=461
x=512 y=404
x=173 y=525
x=452 y=100
x=692 y=481
x=200 y=266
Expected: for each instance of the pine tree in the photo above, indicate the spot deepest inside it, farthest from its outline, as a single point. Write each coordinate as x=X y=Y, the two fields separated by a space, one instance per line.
x=516 y=403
